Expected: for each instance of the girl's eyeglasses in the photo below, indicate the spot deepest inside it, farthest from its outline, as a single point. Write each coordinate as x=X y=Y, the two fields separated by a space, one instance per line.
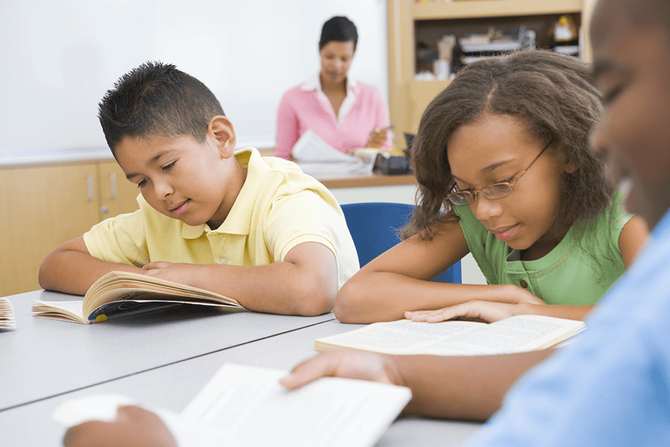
x=494 y=191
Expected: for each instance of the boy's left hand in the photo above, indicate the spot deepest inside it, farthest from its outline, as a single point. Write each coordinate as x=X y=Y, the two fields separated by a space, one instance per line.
x=488 y=311
x=180 y=273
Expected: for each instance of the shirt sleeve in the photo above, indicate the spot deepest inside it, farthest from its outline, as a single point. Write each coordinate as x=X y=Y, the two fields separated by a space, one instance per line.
x=120 y=240
x=303 y=217
x=287 y=127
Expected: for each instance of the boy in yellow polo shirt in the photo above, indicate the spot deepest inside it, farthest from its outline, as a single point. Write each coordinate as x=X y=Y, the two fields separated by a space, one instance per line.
x=253 y=228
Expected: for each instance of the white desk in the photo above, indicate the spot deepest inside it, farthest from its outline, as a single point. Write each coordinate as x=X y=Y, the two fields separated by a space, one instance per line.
x=185 y=349
x=56 y=357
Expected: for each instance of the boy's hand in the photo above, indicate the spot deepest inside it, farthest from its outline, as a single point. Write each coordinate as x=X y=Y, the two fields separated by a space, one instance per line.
x=345 y=363
x=179 y=273
x=133 y=426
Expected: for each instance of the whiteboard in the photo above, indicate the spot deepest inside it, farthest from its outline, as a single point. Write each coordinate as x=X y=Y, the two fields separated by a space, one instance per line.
x=58 y=57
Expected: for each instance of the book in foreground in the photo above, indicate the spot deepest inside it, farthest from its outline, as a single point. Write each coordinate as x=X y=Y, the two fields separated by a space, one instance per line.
x=245 y=406
x=120 y=294
x=520 y=333
x=7 y=321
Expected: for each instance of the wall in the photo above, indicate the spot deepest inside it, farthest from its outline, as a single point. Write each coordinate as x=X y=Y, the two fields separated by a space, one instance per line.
x=57 y=58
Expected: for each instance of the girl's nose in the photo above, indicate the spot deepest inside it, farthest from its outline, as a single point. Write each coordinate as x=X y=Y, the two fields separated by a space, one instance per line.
x=484 y=209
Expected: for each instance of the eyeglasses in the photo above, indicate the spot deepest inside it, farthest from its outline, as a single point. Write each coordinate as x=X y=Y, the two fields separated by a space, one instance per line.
x=494 y=191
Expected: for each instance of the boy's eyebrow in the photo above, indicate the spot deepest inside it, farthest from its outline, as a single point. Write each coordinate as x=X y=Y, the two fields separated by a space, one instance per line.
x=153 y=160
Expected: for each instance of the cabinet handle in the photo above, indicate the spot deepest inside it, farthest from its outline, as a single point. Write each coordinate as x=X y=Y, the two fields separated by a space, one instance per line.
x=89 y=181
x=112 y=179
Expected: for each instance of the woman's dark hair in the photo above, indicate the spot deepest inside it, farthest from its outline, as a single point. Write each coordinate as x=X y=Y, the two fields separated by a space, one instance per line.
x=338 y=29
x=551 y=94
x=157 y=99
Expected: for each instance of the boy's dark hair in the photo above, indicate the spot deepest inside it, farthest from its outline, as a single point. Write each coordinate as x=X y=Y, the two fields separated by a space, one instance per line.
x=553 y=95
x=339 y=29
x=157 y=99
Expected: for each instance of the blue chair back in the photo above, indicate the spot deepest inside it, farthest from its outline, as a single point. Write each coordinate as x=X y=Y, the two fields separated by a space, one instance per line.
x=374 y=227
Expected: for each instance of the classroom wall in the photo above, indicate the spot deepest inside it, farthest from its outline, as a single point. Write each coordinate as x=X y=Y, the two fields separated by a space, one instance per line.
x=57 y=58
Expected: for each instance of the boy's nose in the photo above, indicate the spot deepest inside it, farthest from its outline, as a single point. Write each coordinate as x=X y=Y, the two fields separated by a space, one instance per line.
x=162 y=190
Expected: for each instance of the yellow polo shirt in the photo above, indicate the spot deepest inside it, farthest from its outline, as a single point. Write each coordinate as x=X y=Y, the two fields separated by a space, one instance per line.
x=278 y=208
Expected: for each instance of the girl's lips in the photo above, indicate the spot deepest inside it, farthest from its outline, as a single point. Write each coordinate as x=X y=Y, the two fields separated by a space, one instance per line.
x=505 y=235
x=181 y=208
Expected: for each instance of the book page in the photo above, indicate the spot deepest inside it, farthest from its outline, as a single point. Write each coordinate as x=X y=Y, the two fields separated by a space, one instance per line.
x=250 y=405
x=62 y=310
x=396 y=337
x=7 y=321
x=520 y=333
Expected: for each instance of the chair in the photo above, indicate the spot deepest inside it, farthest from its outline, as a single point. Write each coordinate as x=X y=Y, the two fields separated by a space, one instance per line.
x=374 y=228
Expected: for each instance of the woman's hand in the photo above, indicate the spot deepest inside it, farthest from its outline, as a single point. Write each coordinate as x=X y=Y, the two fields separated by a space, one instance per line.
x=377 y=138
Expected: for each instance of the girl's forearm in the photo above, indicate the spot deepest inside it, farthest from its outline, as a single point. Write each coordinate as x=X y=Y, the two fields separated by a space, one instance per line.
x=384 y=296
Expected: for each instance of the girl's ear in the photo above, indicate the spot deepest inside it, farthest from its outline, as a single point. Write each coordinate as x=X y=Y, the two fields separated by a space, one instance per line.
x=221 y=130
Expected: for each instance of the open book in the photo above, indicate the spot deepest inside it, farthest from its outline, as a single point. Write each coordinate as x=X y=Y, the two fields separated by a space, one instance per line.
x=7 y=321
x=516 y=334
x=246 y=406
x=118 y=294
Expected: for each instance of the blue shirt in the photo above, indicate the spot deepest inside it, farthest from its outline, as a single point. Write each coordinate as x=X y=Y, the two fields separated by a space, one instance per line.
x=612 y=386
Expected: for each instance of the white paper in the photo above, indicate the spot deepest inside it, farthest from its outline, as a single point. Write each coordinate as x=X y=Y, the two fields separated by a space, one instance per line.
x=7 y=321
x=245 y=406
x=250 y=405
x=317 y=158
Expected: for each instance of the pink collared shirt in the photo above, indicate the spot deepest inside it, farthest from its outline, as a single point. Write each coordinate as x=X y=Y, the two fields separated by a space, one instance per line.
x=307 y=107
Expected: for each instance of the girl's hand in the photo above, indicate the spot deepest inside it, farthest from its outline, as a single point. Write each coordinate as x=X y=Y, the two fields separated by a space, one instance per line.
x=488 y=311
x=344 y=363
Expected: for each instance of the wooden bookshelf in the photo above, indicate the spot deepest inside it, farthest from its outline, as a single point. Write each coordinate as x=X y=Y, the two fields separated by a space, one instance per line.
x=408 y=98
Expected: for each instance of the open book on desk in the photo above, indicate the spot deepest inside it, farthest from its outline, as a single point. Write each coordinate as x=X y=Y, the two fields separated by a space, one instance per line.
x=520 y=333
x=120 y=294
x=245 y=406
x=7 y=321
x=318 y=159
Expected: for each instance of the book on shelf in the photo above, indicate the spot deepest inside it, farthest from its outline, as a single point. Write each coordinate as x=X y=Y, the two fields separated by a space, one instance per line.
x=519 y=333
x=120 y=294
x=7 y=321
x=246 y=406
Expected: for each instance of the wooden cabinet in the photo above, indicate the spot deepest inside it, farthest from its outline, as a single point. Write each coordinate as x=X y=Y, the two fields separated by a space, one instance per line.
x=45 y=206
x=410 y=23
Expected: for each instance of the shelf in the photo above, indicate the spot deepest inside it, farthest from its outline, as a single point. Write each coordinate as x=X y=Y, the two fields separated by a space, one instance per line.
x=493 y=8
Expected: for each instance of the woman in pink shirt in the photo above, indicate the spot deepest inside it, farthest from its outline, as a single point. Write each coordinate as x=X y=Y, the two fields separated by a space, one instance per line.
x=344 y=113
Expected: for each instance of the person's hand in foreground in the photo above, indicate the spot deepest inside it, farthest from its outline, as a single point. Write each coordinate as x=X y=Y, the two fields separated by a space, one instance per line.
x=345 y=363
x=133 y=427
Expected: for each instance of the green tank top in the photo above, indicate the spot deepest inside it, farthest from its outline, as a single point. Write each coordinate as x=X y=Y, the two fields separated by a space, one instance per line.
x=578 y=271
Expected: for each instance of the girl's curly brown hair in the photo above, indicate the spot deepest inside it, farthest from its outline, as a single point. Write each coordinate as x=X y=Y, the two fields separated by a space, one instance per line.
x=554 y=95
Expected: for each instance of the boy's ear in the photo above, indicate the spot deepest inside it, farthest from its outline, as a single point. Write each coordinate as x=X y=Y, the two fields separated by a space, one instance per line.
x=221 y=129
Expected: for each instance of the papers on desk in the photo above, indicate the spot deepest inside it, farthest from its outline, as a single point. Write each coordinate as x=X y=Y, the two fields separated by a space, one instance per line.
x=246 y=406
x=318 y=159
x=7 y=321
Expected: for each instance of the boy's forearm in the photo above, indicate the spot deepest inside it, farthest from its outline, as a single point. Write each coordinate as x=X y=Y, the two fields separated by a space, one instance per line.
x=278 y=288
x=74 y=272
x=470 y=388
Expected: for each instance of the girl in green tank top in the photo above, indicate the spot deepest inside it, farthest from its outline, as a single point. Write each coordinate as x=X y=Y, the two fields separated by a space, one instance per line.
x=505 y=172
